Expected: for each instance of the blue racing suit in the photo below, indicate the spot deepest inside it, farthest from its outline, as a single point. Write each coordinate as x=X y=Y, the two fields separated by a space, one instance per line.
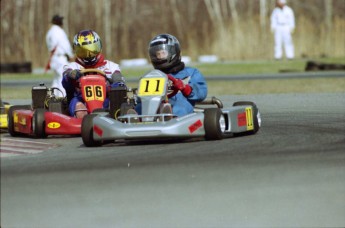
x=182 y=105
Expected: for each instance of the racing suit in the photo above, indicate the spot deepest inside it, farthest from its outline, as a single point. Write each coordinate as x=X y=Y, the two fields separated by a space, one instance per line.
x=111 y=70
x=283 y=24
x=182 y=105
x=61 y=50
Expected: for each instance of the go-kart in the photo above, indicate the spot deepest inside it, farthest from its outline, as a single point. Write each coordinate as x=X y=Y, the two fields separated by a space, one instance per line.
x=48 y=115
x=4 y=106
x=209 y=119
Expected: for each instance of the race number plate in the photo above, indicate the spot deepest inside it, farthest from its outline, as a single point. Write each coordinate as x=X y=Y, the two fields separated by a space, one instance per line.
x=249 y=117
x=94 y=93
x=152 y=87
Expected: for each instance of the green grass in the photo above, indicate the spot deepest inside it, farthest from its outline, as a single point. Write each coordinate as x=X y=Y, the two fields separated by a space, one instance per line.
x=228 y=68
x=251 y=68
x=222 y=87
x=261 y=67
x=316 y=85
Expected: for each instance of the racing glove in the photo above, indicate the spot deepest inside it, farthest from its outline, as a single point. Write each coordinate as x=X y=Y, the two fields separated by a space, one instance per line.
x=185 y=89
x=118 y=84
x=118 y=80
x=74 y=74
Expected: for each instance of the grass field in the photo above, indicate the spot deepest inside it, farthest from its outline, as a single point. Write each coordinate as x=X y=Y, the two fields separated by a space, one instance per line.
x=222 y=87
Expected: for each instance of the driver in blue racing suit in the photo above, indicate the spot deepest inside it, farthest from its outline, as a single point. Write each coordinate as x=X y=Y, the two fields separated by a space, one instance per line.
x=165 y=55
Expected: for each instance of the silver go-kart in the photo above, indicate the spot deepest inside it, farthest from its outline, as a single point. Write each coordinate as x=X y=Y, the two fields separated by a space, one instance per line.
x=209 y=120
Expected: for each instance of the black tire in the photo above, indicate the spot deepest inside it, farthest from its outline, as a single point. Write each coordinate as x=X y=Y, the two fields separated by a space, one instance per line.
x=213 y=129
x=255 y=115
x=100 y=110
x=10 y=121
x=22 y=67
x=39 y=123
x=87 y=131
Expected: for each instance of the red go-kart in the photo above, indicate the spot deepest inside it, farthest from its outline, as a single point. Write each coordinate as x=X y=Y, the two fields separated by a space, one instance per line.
x=48 y=115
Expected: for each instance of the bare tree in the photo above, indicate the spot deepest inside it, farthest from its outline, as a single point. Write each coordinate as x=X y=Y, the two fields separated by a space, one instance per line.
x=263 y=13
x=107 y=26
x=232 y=29
x=234 y=14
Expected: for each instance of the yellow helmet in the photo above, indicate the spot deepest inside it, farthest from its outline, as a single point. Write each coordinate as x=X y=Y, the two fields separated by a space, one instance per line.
x=87 y=46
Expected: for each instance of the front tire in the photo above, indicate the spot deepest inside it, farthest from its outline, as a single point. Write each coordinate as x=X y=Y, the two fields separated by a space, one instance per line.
x=38 y=122
x=87 y=131
x=214 y=122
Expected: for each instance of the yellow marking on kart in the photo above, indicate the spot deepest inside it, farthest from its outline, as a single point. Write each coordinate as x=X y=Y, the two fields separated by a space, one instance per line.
x=15 y=117
x=22 y=121
x=3 y=122
x=117 y=113
x=53 y=125
x=152 y=86
x=249 y=117
x=94 y=93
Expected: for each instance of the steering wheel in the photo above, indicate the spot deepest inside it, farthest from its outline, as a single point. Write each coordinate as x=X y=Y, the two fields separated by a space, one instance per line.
x=172 y=88
x=84 y=71
x=97 y=71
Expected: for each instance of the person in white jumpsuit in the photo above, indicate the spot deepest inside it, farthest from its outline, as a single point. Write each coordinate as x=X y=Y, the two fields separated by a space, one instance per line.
x=60 y=52
x=283 y=25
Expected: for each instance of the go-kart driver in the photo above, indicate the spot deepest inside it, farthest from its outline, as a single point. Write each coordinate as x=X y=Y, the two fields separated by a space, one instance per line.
x=165 y=55
x=87 y=46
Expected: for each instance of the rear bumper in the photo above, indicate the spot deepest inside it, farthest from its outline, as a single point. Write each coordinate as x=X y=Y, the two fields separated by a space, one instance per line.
x=187 y=127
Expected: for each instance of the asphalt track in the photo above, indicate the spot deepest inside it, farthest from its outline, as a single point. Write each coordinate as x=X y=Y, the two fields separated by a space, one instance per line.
x=290 y=174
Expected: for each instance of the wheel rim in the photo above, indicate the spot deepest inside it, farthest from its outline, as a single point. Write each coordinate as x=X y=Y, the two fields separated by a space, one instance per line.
x=222 y=123
x=259 y=118
x=33 y=124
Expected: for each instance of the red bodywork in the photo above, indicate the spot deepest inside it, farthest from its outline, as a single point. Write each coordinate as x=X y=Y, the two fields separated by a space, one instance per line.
x=93 y=89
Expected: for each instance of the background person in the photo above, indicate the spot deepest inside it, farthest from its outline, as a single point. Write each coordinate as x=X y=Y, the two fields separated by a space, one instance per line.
x=60 y=52
x=283 y=25
x=87 y=46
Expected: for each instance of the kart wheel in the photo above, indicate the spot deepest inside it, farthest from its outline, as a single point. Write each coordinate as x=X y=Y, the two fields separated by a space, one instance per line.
x=215 y=124
x=100 y=110
x=87 y=131
x=10 y=121
x=39 y=123
x=256 y=115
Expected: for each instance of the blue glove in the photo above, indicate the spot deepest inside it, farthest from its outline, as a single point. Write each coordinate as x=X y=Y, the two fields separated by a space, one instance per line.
x=118 y=84
x=75 y=74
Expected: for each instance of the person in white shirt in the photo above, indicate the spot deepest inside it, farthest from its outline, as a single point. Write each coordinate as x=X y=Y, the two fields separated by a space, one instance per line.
x=60 y=53
x=283 y=25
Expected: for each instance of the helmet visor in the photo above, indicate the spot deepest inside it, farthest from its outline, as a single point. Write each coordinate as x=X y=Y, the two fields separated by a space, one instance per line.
x=87 y=51
x=160 y=52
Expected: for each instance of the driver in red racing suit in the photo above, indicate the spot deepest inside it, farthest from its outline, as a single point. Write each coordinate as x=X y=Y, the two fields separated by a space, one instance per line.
x=87 y=46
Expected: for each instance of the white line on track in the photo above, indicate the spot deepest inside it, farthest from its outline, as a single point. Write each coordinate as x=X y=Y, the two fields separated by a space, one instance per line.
x=15 y=147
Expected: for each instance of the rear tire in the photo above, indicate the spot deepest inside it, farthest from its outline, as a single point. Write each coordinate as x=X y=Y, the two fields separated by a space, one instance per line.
x=214 y=122
x=10 y=122
x=256 y=115
x=87 y=131
x=97 y=110
x=39 y=123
